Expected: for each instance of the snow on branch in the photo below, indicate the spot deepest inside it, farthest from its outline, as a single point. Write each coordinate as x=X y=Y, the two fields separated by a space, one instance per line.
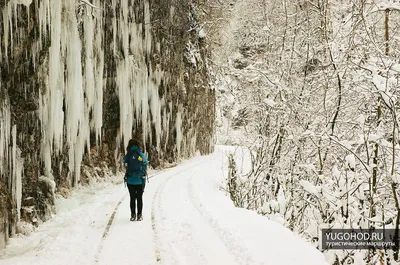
x=389 y=4
x=354 y=154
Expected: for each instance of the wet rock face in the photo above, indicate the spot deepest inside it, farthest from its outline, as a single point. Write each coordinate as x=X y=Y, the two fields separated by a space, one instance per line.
x=77 y=85
x=4 y=219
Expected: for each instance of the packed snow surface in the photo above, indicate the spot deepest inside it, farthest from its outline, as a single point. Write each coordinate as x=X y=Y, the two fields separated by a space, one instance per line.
x=188 y=219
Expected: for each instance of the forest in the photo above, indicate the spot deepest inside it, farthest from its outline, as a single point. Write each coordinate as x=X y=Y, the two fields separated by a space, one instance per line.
x=311 y=89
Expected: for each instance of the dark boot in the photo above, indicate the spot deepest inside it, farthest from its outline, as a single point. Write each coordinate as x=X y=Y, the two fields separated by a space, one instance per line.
x=139 y=217
x=133 y=217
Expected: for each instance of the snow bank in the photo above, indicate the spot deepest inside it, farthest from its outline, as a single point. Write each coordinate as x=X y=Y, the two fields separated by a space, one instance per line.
x=72 y=235
x=265 y=240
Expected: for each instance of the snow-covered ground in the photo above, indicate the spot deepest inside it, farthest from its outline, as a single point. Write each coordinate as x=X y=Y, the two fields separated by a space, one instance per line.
x=188 y=219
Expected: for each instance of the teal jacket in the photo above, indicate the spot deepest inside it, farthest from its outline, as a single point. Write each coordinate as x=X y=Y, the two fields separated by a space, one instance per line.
x=135 y=178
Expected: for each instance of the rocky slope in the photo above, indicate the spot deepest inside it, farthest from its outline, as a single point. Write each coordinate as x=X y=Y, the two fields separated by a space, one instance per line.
x=80 y=78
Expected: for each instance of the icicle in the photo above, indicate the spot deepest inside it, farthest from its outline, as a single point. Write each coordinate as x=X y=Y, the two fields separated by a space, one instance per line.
x=167 y=122
x=33 y=53
x=89 y=75
x=56 y=115
x=114 y=22
x=93 y=76
x=124 y=73
x=99 y=68
x=135 y=90
x=17 y=166
x=156 y=106
x=5 y=131
x=29 y=13
x=124 y=92
x=14 y=14
x=144 y=106
x=75 y=118
x=178 y=127
x=147 y=26
x=192 y=136
x=11 y=28
x=6 y=25
x=50 y=108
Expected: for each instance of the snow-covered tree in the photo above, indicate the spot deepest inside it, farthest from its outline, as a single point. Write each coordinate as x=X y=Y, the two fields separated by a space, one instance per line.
x=320 y=80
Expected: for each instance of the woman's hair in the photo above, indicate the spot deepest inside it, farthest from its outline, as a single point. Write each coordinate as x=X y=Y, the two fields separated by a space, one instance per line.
x=131 y=143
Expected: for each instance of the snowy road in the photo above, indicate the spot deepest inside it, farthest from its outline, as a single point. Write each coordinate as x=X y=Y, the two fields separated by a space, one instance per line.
x=188 y=219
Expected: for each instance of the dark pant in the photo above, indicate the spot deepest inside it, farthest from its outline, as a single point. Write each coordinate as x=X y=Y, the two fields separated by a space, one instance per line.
x=136 y=193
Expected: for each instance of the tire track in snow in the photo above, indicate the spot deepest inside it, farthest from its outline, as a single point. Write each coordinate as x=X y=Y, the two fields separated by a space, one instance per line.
x=157 y=210
x=239 y=252
x=188 y=228
x=107 y=229
x=181 y=239
x=156 y=204
x=156 y=197
x=111 y=220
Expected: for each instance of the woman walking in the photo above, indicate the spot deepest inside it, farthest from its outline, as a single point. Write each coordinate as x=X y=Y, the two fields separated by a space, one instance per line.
x=135 y=162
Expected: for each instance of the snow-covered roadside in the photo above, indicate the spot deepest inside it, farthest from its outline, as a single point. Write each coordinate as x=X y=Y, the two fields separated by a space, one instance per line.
x=254 y=238
x=74 y=231
x=188 y=220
